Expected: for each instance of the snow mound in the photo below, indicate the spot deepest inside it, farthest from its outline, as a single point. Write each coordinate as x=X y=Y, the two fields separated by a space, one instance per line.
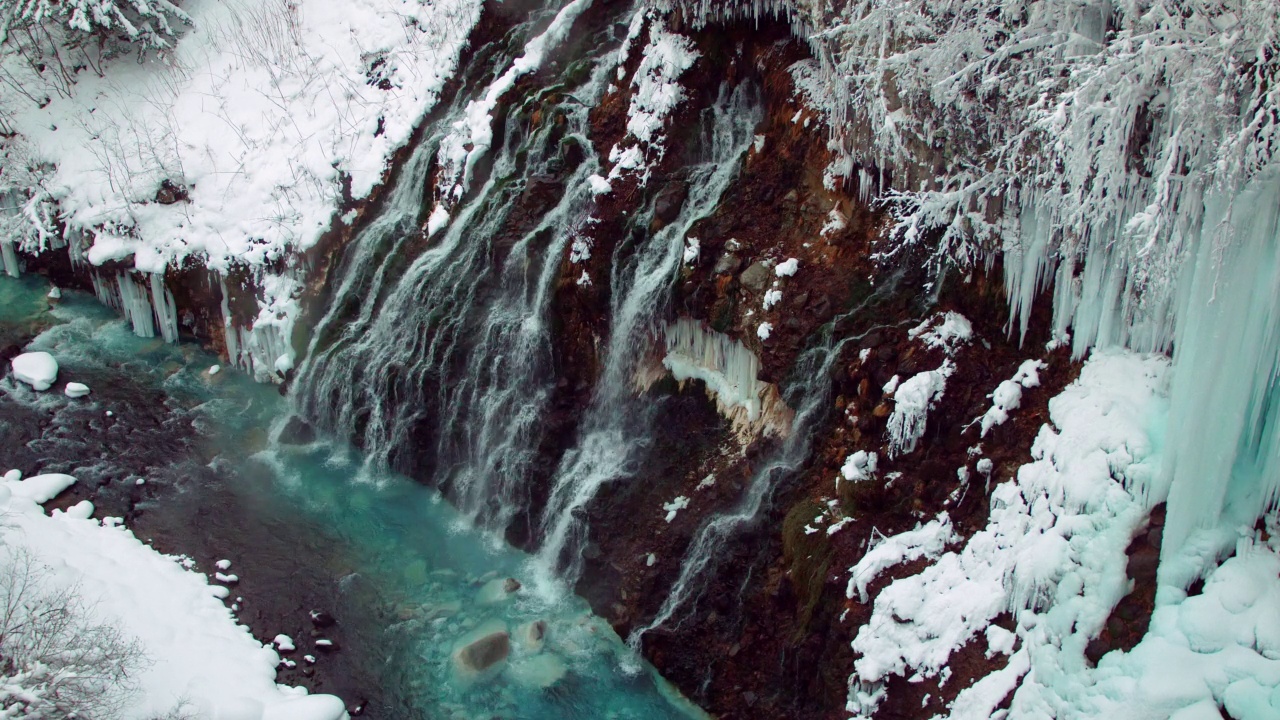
x=40 y=488
x=76 y=390
x=37 y=369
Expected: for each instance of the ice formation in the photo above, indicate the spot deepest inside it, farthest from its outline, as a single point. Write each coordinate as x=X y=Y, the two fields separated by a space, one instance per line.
x=912 y=401
x=729 y=370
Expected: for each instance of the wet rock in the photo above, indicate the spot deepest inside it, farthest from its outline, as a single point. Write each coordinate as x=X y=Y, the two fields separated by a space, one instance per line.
x=666 y=207
x=497 y=591
x=483 y=653
x=533 y=636
x=297 y=432
x=728 y=263
x=755 y=277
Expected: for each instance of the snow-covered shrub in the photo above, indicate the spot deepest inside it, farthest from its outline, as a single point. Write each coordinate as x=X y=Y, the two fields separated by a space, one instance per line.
x=56 y=660
x=81 y=23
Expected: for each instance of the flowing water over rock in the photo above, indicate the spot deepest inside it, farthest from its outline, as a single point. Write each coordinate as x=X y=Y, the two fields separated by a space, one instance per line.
x=434 y=618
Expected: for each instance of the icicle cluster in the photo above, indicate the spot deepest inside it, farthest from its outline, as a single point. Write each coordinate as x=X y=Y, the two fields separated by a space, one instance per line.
x=729 y=370
x=145 y=306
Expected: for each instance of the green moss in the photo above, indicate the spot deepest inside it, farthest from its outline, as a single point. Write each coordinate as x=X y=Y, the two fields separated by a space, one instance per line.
x=808 y=557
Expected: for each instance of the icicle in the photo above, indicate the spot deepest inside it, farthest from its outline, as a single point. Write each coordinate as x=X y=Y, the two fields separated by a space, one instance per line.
x=10 y=258
x=136 y=305
x=730 y=372
x=1223 y=449
x=166 y=309
x=230 y=332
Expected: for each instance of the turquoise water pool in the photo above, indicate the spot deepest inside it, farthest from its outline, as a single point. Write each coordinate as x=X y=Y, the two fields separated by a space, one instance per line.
x=415 y=583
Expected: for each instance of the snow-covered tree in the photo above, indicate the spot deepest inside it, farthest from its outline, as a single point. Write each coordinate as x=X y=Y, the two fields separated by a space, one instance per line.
x=146 y=22
x=56 y=660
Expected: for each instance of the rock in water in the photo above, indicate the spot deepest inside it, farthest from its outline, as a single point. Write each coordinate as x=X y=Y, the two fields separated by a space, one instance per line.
x=483 y=653
x=532 y=636
x=541 y=671
x=37 y=369
x=497 y=591
x=76 y=390
x=297 y=432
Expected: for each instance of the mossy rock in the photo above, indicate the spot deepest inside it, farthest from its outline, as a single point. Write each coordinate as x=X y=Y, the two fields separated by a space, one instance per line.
x=808 y=557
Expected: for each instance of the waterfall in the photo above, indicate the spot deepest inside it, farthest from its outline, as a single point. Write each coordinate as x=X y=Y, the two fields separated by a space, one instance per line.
x=437 y=341
x=615 y=425
x=809 y=393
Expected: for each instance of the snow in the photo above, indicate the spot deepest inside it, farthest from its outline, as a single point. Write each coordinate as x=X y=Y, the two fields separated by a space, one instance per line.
x=197 y=652
x=76 y=390
x=764 y=330
x=1052 y=554
x=927 y=540
x=39 y=488
x=37 y=369
x=260 y=112
x=599 y=185
x=223 y=564
x=787 y=268
x=284 y=643
x=861 y=465
x=771 y=298
x=674 y=507
x=912 y=402
x=1008 y=395
x=691 y=250
x=945 y=331
x=656 y=92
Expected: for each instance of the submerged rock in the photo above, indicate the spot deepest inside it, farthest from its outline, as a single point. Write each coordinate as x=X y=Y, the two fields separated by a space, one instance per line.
x=483 y=653
x=497 y=591
x=539 y=671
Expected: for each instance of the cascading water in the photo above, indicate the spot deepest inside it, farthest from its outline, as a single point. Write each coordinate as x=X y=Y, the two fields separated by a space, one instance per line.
x=615 y=425
x=451 y=342
x=810 y=394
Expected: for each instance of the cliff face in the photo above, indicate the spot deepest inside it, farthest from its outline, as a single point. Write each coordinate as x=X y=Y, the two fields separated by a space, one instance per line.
x=775 y=356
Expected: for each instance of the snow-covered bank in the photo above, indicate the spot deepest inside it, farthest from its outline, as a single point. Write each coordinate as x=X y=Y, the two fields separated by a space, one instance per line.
x=232 y=148
x=1053 y=555
x=197 y=656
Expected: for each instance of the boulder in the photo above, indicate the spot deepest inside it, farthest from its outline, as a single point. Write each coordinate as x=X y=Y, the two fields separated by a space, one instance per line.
x=297 y=432
x=497 y=591
x=755 y=277
x=483 y=652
